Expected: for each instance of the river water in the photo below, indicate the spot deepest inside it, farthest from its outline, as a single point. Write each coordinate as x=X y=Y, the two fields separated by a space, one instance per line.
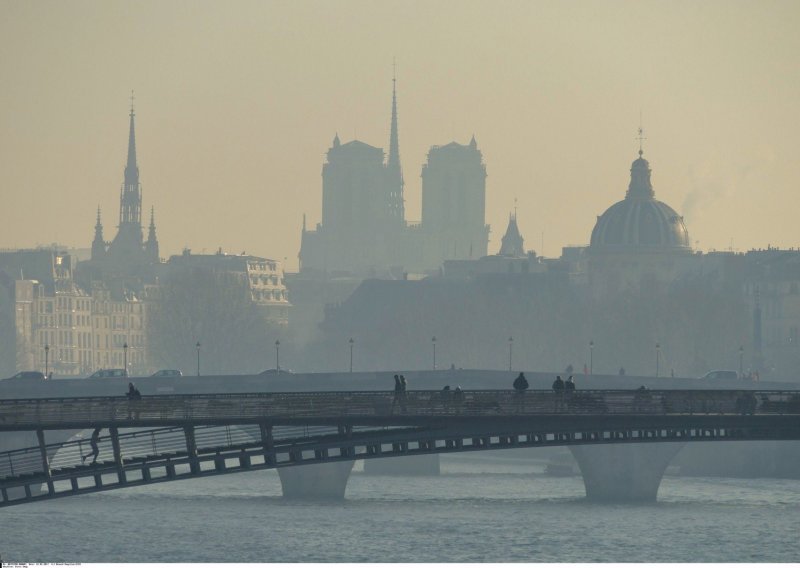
x=478 y=510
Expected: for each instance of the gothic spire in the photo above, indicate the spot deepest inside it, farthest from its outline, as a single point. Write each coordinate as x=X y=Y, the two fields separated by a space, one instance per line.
x=394 y=144
x=395 y=172
x=151 y=246
x=130 y=209
x=98 y=244
x=131 y=169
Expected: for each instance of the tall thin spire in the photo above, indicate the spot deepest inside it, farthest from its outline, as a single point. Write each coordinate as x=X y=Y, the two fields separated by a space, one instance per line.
x=394 y=171
x=151 y=246
x=394 y=144
x=130 y=210
x=98 y=244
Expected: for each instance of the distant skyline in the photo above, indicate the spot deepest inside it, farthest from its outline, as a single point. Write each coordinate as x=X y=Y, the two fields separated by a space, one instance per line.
x=236 y=105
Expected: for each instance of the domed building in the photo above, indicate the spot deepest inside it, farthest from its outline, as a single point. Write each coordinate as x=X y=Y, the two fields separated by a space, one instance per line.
x=638 y=238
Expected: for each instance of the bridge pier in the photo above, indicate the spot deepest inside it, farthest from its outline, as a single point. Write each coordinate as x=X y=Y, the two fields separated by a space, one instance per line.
x=317 y=481
x=624 y=472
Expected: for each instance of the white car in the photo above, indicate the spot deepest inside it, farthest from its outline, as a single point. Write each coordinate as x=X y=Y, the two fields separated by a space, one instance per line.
x=167 y=373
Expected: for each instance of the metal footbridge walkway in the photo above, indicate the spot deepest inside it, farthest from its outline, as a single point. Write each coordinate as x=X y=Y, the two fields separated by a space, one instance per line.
x=165 y=438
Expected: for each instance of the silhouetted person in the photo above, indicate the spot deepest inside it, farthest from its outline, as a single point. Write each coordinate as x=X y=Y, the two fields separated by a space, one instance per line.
x=50 y=375
x=403 y=389
x=558 y=389
x=622 y=371
x=458 y=398
x=569 y=386
x=131 y=395
x=520 y=385
x=568 y=370
x=398 y=391
x=642 y=398
x=445 y=395
x=93 y=442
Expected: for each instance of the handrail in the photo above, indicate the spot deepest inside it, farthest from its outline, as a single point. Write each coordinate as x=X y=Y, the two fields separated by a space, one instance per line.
x=253 y=407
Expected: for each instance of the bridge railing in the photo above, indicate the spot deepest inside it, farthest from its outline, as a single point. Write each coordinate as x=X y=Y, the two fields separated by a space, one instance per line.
x=49 y=413
x=151 y=442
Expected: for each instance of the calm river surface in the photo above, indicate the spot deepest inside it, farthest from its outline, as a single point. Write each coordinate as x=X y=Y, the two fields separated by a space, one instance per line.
x=478 y=510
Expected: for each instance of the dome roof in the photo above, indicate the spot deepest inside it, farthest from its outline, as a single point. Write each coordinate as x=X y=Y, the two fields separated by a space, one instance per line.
x=640 y=220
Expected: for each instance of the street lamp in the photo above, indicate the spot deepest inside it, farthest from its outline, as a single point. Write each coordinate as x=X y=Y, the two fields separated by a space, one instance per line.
x=351 y=342
x=741 y=361
x=197 y=345
x=125 y=357
x=46 y=360
x=591 y=357
x=277 y=355
x=433 y=342
x=510 y=347
x=658 y=356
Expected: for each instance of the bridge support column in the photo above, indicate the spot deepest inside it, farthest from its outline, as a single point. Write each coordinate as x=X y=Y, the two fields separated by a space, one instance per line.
x=624 y=472
x=318 y=481
x=45 y=460
x=121 y=477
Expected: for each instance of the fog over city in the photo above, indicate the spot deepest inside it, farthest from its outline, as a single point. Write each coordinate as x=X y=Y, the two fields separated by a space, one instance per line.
x=237 y=105
x=453 y=281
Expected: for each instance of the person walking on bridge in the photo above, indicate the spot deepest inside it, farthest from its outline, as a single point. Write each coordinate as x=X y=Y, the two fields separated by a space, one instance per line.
x=403 y=389
x=520 y=385
x=558 y=389
x=398 y=392
x=93 y=442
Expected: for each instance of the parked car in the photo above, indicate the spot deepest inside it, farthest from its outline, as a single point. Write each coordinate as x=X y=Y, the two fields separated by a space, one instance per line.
x=721 y=376
x=276 y=372
x=28 y=376
x=108 y=374
x=168 y=373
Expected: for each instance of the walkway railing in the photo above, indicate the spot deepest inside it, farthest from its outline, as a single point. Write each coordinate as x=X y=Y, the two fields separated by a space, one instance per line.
x=159 y=441
x=249 y=408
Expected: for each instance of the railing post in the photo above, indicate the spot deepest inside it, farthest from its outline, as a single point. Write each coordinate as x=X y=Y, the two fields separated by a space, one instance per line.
x=191 y=448
x=45 y=461
x=121 y=477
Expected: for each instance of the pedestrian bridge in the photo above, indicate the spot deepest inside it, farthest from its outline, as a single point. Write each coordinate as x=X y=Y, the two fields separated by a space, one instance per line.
x=164 y=438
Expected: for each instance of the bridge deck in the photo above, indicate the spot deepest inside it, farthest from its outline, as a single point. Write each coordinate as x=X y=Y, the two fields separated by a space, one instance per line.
x=178 y=437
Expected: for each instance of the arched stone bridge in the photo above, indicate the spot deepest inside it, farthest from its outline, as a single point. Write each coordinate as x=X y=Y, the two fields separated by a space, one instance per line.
x=166 y=438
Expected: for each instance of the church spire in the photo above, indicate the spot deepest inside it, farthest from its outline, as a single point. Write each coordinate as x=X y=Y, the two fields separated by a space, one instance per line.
x=395 y=172
x=130 y=209
x=151 y=246
x=98 y=244
x=394 y=144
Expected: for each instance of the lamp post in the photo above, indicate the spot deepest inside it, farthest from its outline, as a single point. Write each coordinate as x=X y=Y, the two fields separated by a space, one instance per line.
x=197 y=345
x=510 y=350
x=591 y=357
x=433 y=342
x=351 y=342
x=46 y=360
x=658 y=356
x=741 y=361
x=125 y=357
x=277 y=355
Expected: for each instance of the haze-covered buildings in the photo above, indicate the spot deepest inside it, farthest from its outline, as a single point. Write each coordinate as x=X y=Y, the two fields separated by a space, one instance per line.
x=363 y=232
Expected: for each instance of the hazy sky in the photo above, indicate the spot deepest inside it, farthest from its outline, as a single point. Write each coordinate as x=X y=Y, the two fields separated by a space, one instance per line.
x=237 y=103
